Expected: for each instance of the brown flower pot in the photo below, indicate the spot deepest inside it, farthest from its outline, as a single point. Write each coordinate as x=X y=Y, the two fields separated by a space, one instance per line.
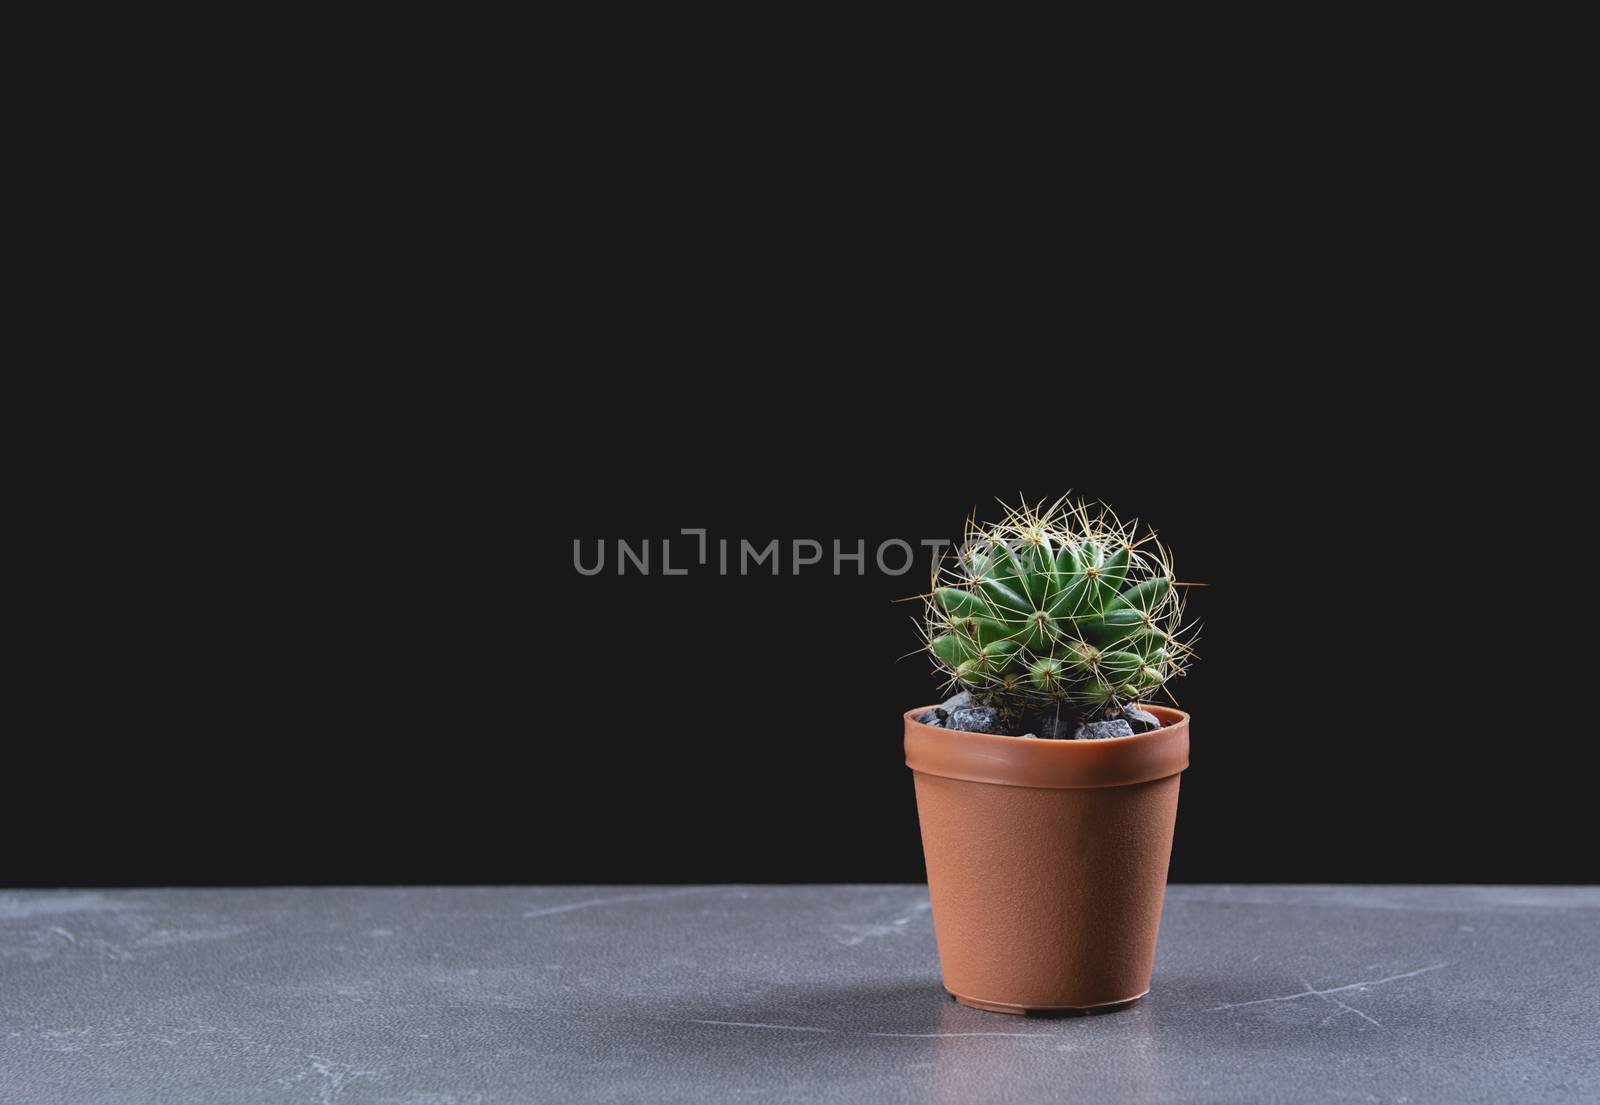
x=1047 y=861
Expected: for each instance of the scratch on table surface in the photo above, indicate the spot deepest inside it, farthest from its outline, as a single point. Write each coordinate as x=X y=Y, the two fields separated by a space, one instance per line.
x=851 y=935
x=332 y=1078
x=591 y=903
x=105 y=949
x=1311 y=991
x=880 y=1035
x=1341 y=1006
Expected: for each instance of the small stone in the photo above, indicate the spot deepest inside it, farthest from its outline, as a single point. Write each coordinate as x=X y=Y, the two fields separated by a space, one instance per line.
x=976 y=719
x=1056 y=729
x=1103 y=730
x=951 y=705
x=1143 y=721
x=935 y=717
x=1029 y=737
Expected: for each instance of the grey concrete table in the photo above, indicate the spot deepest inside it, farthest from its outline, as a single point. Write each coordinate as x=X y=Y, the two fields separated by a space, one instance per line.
x=470 y=996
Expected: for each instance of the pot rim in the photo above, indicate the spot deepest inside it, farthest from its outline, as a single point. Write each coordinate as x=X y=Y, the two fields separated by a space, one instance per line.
x=1052 y=764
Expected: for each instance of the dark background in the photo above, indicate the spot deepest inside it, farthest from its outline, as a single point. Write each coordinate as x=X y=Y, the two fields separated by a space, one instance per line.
x=296 y=604
x=375 y=663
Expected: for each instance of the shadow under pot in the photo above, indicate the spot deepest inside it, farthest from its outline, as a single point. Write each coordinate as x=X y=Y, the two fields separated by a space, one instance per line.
x=1047 y=861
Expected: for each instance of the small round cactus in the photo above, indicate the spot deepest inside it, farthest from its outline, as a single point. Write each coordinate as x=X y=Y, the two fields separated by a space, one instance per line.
x=1058 y=609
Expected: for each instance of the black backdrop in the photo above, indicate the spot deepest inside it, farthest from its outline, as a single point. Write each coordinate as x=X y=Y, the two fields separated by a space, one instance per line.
x=294 y=601
x=363 y=654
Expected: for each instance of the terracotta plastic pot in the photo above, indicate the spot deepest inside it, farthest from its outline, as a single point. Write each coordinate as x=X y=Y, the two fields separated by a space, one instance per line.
x=1047 y=860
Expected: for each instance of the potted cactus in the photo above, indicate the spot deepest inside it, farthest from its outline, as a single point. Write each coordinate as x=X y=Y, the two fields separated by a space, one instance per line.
x=1047 y=783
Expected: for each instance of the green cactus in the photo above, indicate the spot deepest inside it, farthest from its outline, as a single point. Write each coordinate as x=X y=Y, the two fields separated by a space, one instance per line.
x=1061 y=608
